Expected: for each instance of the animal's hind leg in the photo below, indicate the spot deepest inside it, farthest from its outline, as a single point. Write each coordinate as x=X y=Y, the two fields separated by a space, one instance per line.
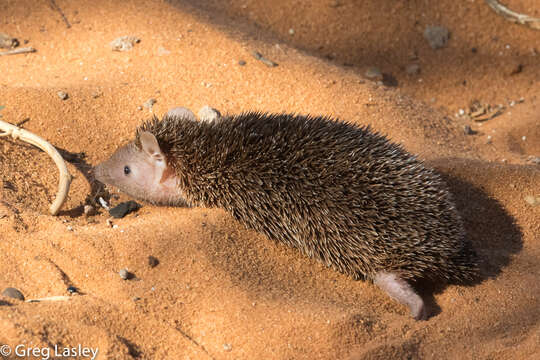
x=401 y=291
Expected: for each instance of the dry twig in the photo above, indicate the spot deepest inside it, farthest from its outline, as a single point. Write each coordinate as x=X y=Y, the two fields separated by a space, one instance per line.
x=65 y=178
x=57 y=8
x=18 y=51
x=512 y=16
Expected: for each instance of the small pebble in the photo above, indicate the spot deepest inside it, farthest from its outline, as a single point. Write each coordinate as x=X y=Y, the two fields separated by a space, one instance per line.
x=153 y=261
x=468 y=130
x=523 y=138
x=227 y=347
x=70 y=228
x=208 y=114
x=13 y=293
x=125 y=274
x=62 y=95
x=373 y=73
x=109 y=222
x=149 y=103
x=139 y=107
x=122 y=209
x=436 y=36
x=124 y=43
x=241 y=62
x=103 y=203
x=72 y=290
x=412 y=69
x=8 y=42
x=136 y=298
x=291 y=31
x=531 y=200
x=461 y=112
x=488 y=141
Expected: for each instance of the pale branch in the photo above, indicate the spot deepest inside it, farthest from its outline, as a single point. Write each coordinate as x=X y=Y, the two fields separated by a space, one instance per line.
x=65 y=178
x=512 y=16
x=16 y=51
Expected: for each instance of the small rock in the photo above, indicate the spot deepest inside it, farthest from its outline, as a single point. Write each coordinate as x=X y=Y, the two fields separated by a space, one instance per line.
x=373 y=73
x=488 y=141
x=103 y=203
x=291 y=31
x=208 y=114
x=62 y=95
x=8 y=42
x=531 y=200
x=523 y=138
x=125 y=274
x=13 y=293
x=227 y=347
x=468 y=131
x=139 y=107
x=70 y=228
x=72 y=290
x=241 y=62
x=153 y=261
x=436 y=36
x=412 y=69
x=124 y=208
x=149 y=103
x=124 y=43
x=461 y=112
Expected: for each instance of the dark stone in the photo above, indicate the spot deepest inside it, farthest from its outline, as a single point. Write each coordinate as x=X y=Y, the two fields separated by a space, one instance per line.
x=153 y=261
x=124 y=208
x=13 y=293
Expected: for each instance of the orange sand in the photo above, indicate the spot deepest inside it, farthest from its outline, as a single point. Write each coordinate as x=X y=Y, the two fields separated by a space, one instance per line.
x=223 y=292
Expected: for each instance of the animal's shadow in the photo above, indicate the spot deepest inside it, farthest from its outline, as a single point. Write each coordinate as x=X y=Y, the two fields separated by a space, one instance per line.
x=493 y=233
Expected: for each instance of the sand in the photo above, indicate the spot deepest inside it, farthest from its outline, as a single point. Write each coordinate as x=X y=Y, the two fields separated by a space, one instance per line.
x=221 y=291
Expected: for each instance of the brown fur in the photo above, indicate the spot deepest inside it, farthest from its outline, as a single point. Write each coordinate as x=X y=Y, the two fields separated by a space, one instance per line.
x=339 y=193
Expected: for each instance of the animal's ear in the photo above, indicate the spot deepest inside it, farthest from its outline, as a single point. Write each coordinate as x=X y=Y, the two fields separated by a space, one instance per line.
x=150 y=146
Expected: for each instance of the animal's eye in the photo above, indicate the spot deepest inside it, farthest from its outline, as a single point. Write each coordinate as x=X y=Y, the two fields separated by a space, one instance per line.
x=127 y=170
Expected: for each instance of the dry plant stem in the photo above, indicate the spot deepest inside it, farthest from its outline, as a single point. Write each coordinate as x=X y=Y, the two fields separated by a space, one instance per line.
x=65 y=177
x=50 y=298
x=18 y=51
x=512 y=16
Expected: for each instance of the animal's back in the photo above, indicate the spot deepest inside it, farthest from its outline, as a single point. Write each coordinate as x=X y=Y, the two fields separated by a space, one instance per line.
x=338 y=192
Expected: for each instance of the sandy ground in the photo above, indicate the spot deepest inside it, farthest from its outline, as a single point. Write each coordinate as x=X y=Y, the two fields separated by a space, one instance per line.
x=223 y=292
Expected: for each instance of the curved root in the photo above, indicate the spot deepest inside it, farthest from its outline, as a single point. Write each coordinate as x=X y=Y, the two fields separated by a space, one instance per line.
x=65 y=178
x=533 y=23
